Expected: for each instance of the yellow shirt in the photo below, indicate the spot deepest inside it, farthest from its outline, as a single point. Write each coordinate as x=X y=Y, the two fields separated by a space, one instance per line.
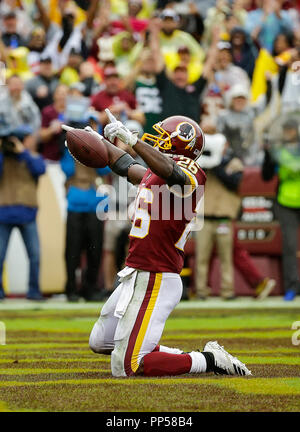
x=195 y=66
x=120 y=7
x=69 y=76
x=179 y=38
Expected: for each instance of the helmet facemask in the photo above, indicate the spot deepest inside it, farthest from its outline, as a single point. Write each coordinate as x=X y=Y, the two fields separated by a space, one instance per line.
x=163 y=140
x=177 y=136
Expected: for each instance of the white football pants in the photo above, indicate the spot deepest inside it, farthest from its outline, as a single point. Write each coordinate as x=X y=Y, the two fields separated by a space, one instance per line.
x=133 y=318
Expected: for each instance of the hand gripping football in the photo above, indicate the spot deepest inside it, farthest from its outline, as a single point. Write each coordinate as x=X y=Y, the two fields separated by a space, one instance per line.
x=86 y=147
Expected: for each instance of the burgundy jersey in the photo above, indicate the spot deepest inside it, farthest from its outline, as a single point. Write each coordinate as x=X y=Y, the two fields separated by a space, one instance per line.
x=162 y=220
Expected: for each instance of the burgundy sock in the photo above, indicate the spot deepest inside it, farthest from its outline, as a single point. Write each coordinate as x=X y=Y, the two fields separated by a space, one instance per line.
x=162 y=364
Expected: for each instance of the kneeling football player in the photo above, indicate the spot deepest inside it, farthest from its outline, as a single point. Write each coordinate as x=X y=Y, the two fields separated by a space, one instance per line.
x=133 y=318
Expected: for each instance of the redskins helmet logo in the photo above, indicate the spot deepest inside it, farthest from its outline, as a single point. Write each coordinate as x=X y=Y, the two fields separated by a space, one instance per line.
x=187 y=133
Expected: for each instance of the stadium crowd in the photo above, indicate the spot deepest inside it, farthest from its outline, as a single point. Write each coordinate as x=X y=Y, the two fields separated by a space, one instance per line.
x=231 y=65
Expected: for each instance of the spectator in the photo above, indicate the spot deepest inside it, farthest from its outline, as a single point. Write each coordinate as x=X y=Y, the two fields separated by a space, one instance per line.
x=70 y=73
x=227 y=74
x=269 y=65
x=267 y=21
x=183 y=57
x=285 y=161
x=131 y=22
x=43 y=85
x=108 y=24
x=243 y=50
x=126 y=50
x=236 y=123
x=37 y=44
x=224 y=16
x=221 y=208
x=17 y=108
x=262 y=286
x=122 y=8
x=24 y=19
x=212 y=103
x=171 y=38
x=179 y=98
x=61 y=40
x=10 y=35
x=16 y=63
x=191 y=19
x=288 y=83
x=283 y=47
x=101 y=30
x=51 y=135
x=20 y=168
x=142 y=81
x=88 y=78
x=84 y=230
x=121 y=103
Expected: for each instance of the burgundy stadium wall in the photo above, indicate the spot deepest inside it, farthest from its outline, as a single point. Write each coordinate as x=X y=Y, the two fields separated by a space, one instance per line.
x=258 y=232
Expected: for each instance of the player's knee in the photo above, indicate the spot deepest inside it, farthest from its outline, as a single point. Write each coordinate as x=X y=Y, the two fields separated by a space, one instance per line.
x=97 y=341
x=95 y=345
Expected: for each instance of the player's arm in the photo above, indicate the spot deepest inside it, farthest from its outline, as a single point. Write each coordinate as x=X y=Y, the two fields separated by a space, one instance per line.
x=119 y=161
x=162 y=165
x=123 y=164
x=159 y=163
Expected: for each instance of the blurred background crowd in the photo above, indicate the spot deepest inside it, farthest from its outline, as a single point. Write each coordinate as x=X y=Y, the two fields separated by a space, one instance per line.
x=231 y=65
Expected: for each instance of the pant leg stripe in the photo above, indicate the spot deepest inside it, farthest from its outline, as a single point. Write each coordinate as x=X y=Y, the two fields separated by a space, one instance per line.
x=136 y=327
x=146 y=320
x=141 y=323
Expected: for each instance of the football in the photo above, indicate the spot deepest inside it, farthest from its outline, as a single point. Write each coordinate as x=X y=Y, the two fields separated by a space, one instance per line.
x=87 y=148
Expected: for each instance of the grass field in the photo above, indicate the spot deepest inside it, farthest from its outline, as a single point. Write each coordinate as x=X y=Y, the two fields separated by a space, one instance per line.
x=46 y=364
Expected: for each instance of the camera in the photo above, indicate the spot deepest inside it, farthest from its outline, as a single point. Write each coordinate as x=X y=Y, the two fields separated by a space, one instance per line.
x=7 y=135
x=8 y=145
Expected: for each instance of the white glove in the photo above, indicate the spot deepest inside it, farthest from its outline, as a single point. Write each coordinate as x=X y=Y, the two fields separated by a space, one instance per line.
x=91 y=130
x=87 y=128
x=66 y=127
x=116 y=129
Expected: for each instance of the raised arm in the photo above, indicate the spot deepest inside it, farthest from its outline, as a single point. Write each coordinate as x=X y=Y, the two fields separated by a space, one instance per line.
x=91 y=13
x=103 y=18
x=43 y=14
x=211 y=55
x=154 y=45
x=160 y=164
x=123 y=164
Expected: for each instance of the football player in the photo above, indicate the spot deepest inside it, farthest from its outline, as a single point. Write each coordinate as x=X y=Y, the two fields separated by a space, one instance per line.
x=133 y=318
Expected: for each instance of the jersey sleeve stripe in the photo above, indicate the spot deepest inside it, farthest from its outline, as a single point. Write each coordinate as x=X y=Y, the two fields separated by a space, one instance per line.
x=188 y=189
x=193 y=180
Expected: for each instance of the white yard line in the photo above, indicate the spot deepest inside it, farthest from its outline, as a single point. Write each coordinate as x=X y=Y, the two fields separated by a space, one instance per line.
x=210 y=303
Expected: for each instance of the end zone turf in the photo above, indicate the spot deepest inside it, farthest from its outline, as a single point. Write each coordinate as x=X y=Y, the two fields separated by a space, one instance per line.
x=46 y=364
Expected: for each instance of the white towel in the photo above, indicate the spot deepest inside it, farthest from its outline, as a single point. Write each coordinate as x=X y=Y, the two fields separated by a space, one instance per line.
x=127 y=278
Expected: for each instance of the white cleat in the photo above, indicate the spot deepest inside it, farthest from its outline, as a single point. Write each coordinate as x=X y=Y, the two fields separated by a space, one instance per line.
x=265 y=288
x=225 y=363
